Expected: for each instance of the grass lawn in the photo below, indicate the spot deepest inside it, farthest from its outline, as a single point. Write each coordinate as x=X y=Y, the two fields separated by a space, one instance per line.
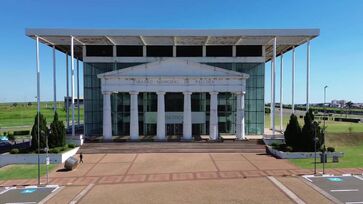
x=353 y=157
x=23 y=171
x=343 y=136
x=332 y=126
x=21 y=116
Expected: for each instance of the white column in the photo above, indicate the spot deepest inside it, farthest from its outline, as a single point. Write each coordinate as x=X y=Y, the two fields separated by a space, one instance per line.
x=134 y=116
x=54 y=82
x=187 y=116
x=240 y=120
x=67 y=90
x=271 y=93
x=72 y=85
x=293 y=81
x=307 y=75
x=78 y=107
x=38 y=79
x=273 y=86
x=107 y=125
x=161 y=116
x=213 y=121
x=281 y=90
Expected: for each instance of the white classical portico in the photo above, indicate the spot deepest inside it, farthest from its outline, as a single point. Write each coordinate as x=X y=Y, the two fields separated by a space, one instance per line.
x=173 y=75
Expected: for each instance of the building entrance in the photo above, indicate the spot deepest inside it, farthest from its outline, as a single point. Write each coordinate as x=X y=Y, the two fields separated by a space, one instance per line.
x=174 y=129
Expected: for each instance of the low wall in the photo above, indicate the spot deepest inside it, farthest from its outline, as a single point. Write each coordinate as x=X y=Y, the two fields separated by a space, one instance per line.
x=300 y=155
x=6 y=158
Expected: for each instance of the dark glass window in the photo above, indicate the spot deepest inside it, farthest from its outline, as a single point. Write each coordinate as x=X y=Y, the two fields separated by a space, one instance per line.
x=159 y=51
x=189 y=51
x=129 y=51
x=219 y=51
x=99 y=50
x=248 y=50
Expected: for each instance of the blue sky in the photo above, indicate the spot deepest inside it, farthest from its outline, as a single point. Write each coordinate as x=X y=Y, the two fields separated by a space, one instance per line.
x=335 y=55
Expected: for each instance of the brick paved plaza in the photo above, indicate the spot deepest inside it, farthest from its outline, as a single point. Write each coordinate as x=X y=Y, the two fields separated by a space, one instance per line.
x=179 y=177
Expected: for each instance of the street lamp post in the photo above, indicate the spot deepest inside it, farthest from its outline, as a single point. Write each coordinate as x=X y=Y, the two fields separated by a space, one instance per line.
x=316 y=139
x=324 y=150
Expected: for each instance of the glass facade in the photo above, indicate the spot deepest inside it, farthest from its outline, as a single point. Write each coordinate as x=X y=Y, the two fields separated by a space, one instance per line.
x=120 y=104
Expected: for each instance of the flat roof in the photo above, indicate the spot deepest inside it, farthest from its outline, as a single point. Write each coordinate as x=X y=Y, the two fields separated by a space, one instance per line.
x=61 y=38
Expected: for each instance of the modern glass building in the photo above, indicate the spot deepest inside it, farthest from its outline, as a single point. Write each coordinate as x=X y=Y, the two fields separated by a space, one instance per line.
x=187 y=83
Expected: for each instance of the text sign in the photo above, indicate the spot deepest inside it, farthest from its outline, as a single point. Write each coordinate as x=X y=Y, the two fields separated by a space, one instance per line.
x=174 y=117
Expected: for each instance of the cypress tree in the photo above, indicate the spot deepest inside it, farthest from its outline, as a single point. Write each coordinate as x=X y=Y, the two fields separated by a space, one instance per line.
x=43 y=132
x=57 y=136
x=293 y=134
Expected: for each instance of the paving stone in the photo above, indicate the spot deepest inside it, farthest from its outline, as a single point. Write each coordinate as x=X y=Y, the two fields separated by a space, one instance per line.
x=134 y=178
x=182 y=176
x=159 y=177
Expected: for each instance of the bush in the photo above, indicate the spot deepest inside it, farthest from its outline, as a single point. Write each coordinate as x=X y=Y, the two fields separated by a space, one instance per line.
x=330 y=149
x=292 y=134
x=274 y=145
x=43 y=131
x=11 y=137
x=57 y=137
x=71 y=145
x=14 y=151
x=22 y=132
x=289 y=149
x=54 y=150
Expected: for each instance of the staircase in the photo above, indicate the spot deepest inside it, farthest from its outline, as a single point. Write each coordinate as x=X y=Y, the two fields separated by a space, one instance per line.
x=251 y=146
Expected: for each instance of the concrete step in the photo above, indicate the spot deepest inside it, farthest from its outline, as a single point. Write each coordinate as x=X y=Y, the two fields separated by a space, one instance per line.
x=173 y=147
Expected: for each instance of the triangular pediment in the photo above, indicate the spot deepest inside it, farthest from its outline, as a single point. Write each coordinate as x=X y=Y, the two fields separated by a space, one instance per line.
x=172 y=67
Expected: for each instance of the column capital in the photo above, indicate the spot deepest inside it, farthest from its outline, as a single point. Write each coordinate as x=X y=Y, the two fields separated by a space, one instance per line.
x=187 y=92
x=134 y=92
x=213 y=93
x=160 y=92
x=240 y=93
x=106 y=92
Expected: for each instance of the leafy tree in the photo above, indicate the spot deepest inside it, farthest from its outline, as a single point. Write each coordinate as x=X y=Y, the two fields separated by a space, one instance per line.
x=43 y=132
x=293 y=134
x=57 y=137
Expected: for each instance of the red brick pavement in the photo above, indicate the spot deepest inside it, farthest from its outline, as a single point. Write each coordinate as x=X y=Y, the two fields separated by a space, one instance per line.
x=180 y=176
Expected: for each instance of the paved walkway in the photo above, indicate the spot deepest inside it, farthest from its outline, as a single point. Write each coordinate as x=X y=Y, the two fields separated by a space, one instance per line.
x=197 y=177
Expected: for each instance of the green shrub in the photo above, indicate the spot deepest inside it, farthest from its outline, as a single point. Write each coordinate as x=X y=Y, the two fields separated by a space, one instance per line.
x=10 y=133
x=289 y=149
x=330 y=149
x=62 y=149
x=54 y=151
x=292 y=133
x=22 y=132
x=43 y=132
x=274 y=145
x=11 y=137
x=14 y=151
x=71 y=145
x=57 y=137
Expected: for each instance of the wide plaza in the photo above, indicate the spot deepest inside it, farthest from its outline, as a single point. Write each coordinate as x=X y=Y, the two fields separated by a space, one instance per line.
x=197 y=177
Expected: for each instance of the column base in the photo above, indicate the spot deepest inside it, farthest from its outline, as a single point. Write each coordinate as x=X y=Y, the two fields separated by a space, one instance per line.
x=160 y=139
x=107 y=140
x=183 y=139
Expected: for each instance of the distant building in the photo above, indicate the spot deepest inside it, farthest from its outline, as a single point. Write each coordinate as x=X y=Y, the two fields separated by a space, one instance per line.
x=68 y=105
x=338 y=103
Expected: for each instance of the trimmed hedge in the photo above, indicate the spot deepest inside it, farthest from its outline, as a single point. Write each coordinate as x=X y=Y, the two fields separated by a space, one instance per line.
x=22 y=132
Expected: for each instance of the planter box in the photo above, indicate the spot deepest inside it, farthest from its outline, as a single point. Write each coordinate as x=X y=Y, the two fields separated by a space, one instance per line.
x=299 y=155
x=7 y=158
